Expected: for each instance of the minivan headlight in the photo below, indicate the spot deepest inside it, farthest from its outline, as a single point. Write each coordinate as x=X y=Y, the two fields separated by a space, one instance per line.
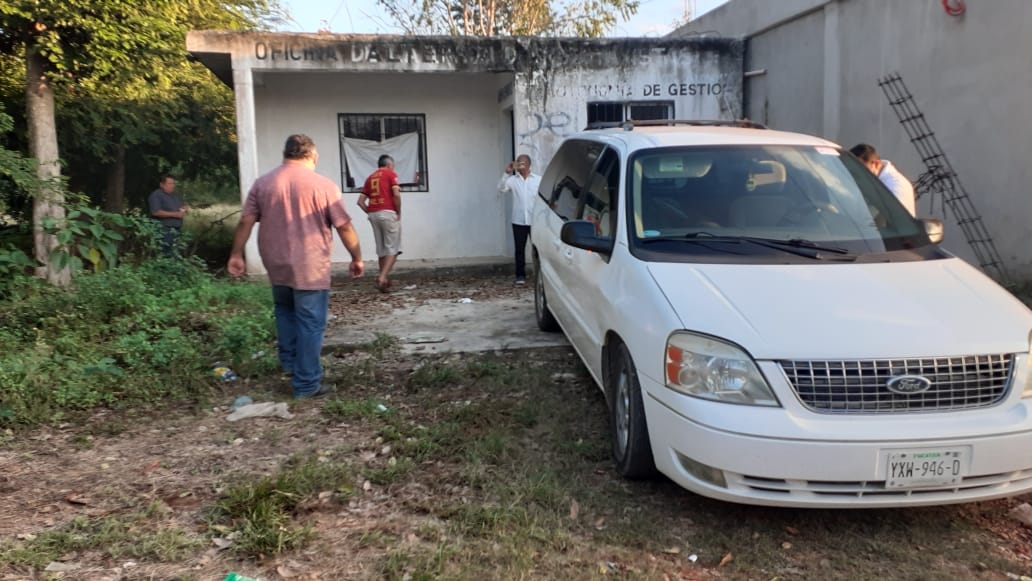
x=713 y=369
x=1027 y=391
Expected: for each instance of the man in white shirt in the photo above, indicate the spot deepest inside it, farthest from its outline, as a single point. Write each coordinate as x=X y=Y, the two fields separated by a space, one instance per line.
x=523 y=185
x=897 y=183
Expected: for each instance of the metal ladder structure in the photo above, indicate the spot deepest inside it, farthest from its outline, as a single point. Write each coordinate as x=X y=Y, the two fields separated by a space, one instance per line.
x=939 y=179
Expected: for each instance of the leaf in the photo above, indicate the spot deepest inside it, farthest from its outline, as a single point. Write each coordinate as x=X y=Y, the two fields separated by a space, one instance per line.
x=726 y=559
x=76 y=498
x=574 y=509
x=59 y=259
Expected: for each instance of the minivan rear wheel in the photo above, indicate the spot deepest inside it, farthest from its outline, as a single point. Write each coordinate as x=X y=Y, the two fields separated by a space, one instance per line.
x=545 y=321
x=632 y=450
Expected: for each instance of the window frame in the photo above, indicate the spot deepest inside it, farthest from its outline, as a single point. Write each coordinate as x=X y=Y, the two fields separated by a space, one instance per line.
x=626 y=109
x=356 y=182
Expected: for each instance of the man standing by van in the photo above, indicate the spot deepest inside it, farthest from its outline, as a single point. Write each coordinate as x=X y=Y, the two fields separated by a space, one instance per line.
x=523 y=185
x=381 y=200
x=897 y=183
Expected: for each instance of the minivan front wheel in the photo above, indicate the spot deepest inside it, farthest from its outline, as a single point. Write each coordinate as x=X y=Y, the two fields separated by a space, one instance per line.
x=545 y=320
x=632 y=450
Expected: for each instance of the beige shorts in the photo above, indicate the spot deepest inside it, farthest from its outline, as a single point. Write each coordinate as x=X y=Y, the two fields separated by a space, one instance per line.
x=387 y=232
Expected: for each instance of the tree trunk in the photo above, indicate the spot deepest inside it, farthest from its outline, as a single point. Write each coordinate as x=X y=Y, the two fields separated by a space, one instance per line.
x=114 y=196
x=49 y=201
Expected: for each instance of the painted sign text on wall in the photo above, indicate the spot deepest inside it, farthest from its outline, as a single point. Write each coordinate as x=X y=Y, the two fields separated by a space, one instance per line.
x=682 y=89
x=647 y=90
x=380 y=53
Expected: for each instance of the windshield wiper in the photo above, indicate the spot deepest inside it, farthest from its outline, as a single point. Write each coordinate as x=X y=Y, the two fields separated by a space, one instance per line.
x=804 y=243
x=797 y=246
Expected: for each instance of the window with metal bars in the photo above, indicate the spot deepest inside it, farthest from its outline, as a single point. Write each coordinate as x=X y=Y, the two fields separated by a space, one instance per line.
x=366 y=136
x=620 y=111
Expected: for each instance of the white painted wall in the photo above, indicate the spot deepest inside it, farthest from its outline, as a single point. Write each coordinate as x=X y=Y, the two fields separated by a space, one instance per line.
x=551 y=105
x=461 y=215
x=971 y=76
x=484 y=101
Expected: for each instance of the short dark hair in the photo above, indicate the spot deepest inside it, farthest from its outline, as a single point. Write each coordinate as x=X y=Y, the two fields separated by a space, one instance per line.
x=166 y=176
x=865 y=152
x=384 y=160
x=298 y=146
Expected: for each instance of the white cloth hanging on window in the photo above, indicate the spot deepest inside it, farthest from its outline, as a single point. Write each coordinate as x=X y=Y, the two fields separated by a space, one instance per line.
x=362 y=154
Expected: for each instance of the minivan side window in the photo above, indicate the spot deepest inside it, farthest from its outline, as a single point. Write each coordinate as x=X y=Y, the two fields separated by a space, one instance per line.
x=564 y=180
x=600 y=196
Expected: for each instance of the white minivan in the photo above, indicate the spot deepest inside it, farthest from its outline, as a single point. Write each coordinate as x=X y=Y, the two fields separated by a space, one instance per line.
x=770 y=326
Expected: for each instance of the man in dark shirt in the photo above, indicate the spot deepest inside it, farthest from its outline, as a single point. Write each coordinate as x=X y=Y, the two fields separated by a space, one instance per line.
x=168 y=208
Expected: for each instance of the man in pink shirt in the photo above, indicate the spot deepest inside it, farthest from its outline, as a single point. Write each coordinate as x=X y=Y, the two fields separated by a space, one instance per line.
x=298 y=209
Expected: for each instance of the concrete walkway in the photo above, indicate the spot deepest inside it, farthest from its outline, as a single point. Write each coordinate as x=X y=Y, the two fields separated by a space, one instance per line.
x=475 y=321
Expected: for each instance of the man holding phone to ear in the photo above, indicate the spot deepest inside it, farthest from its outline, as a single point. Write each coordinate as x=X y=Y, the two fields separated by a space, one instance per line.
x=523 y=185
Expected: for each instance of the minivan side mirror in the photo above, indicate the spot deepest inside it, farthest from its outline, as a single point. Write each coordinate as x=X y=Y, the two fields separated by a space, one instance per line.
x=581 y=234
x=934 y=229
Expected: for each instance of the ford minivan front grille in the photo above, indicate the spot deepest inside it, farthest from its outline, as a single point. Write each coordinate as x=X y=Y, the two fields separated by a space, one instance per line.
x=901 y=385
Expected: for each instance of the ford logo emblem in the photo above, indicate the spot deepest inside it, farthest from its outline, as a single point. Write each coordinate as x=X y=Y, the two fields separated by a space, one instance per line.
x=908 y=384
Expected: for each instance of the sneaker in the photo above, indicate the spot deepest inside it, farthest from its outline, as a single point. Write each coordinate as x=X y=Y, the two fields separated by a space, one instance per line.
x=321 y=392
x=521 y=281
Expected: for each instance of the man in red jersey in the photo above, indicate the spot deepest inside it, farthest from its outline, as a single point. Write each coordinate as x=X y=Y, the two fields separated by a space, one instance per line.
x=381 y=199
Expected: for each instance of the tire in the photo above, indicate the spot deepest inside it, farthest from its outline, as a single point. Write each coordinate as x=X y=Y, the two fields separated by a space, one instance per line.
x=632 y=450
x=545 y=320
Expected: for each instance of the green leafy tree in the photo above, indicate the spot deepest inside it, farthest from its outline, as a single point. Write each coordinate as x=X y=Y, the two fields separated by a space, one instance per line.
x=17 y=174
x=584 y=18
x=116 y=56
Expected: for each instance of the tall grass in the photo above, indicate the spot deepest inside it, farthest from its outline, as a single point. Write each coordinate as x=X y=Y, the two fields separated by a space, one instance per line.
x=130 y=335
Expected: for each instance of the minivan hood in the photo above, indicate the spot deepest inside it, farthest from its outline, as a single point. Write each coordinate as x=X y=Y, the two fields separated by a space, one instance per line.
x=824 y=311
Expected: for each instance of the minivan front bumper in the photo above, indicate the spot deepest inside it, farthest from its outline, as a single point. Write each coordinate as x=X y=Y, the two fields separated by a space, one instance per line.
x=729 y=452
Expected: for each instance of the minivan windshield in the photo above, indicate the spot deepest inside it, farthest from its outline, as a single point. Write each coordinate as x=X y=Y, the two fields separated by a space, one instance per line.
x=802 y=199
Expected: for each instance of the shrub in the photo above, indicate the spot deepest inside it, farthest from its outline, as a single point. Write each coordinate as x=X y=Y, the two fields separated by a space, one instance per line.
x=124 y=336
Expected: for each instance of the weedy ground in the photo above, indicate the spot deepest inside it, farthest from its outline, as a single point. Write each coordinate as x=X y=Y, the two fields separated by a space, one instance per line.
x=474 y=466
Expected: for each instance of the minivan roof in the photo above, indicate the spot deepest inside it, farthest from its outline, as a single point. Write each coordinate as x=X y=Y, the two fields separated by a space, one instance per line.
x=643 y=137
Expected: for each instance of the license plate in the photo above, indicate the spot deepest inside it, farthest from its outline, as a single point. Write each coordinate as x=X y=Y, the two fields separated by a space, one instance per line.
x=924 y=468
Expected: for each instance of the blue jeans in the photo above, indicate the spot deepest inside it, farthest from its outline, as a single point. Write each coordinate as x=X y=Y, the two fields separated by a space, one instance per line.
x=170 y=241
x=300 y=323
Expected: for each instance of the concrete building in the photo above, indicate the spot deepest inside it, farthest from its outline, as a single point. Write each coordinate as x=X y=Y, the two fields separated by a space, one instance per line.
x=814 y=66
x=454 y=111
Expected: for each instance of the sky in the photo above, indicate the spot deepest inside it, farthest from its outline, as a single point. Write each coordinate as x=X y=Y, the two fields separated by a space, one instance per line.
x=654 y=17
